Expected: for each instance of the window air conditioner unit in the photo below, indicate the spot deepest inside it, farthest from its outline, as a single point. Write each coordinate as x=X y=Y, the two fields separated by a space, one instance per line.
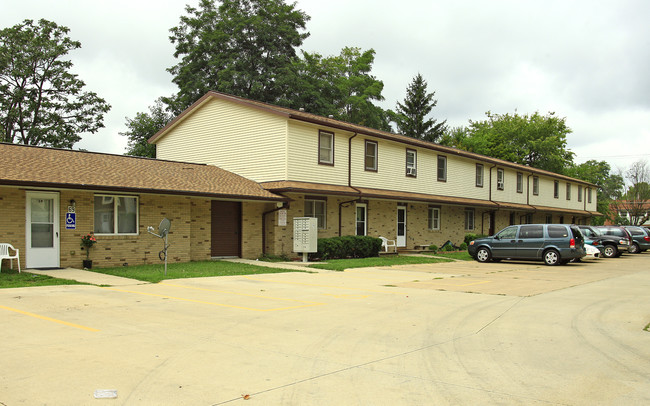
x=410 y=171
x=499 y=185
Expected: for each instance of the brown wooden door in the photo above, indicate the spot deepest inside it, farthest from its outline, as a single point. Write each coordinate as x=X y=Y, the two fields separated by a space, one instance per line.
x=226 y=229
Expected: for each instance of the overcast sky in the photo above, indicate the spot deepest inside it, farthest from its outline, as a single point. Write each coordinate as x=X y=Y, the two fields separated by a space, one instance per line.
x=586 y=60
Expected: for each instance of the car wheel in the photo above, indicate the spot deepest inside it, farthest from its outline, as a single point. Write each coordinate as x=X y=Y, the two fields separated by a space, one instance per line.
x=551 y=257
x=610 y=251
x=634 y=249
x=483 y=255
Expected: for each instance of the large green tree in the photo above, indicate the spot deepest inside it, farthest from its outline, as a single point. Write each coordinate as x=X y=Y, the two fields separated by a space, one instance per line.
x=340 y=85
x=534 y=140
x=411 y=116
x=240 y=47
x=143 y=126
x=609 y=185
x=41 y=102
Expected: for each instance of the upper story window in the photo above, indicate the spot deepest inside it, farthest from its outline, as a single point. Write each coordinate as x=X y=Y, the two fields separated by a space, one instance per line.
x=568 y=191
x=116 y=214
x=317 y=207
x=579 y=193
x=411 y=162
x=556 y=189
x=370 y=160
x=535 y=185
x=325 y=148
x=520 y=182
x=588 y=195
x=500 y=179
x=442 y=168
x=479 y=175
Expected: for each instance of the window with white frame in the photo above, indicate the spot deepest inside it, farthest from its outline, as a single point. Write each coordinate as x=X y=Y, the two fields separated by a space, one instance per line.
x=434 y=218
x=535 y=185
x=479 y=175
x=317 y=207
x=469 y=219
x=500 y=179
x=520 y=182
x=370 y=159
x=325 y=148
x=411 y=162
x=442 y=168
x=116 y=214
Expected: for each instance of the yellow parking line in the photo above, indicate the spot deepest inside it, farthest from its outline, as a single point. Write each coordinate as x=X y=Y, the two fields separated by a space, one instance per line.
x=215 y=303
x=49 y=319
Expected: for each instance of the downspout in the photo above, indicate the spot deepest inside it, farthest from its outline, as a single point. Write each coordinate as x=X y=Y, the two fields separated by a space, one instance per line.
x=349 y=182
x=490 y=194
x=285 y=205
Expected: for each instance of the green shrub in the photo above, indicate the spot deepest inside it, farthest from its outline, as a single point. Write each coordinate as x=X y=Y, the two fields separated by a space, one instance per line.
x=449 y=247
x=463 y=246
x=471 y=237
x=348 y=246
x=433 y=248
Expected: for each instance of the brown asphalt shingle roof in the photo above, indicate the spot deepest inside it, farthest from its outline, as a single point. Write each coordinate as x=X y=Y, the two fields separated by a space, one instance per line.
x=59 y=168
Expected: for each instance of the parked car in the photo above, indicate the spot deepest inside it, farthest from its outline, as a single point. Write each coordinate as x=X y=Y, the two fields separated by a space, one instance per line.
x=552 y=243
x=640 y=239
x=592 y=252
x=610 y=245
x=623 y=239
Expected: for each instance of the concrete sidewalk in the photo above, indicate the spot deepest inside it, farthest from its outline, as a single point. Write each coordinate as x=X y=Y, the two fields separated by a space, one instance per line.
x=80 y=275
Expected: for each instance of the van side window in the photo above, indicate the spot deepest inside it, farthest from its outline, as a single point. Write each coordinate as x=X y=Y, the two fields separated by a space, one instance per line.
x=557 y=232
x=531 y=232
x=508 y=233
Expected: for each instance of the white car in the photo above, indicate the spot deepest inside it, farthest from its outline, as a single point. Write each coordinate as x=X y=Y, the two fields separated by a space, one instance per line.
x=592 y=252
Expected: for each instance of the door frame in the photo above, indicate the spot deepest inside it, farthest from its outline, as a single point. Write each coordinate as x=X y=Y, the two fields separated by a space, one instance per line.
x=39 y=257
x=400 y=240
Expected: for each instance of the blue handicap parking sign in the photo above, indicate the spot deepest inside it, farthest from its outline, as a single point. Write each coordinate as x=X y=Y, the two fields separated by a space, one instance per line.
x=70 y=221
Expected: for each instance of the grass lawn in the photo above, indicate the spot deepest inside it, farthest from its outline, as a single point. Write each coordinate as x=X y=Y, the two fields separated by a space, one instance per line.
x=342 y=264
x=156 y=273
x=13 y=279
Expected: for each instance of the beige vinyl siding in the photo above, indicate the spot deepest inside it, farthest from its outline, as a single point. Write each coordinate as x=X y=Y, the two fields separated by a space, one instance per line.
x=244 y=140
x=509 y=192
x=302 y=147
x=546 y=198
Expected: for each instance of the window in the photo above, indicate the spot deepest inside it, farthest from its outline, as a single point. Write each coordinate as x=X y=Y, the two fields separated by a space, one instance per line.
x=362 y=219
x=512 y=217
x=317 y=207
x=469 y=219
x=568 y=191
x=500 y=180
x=579 y=193
x=479 y=175
x=588 y=195
x=549 y=219
x=509 y=233
x=434 y=218
x=536 y=231
x=556 y=189
x=558 y=231
x=116 y=214
x=325 y=148
x=411 y=162
x=520 y=182
x=535 y=185
x=442 y=168
x=371 y=156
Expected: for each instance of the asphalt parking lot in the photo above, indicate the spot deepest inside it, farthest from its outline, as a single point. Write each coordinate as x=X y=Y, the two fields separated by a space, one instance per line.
x=443 y=334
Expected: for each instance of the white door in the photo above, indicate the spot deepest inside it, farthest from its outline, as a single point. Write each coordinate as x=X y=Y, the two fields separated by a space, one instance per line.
x=401 y=226
x=42 y=230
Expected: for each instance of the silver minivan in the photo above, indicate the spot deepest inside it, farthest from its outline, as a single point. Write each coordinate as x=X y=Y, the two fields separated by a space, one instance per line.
x=552 y=243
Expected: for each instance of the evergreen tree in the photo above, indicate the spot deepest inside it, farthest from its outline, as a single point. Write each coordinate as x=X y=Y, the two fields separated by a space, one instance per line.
x=411 y=117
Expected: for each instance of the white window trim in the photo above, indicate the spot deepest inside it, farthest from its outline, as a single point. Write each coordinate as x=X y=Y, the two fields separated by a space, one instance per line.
x=501 y=182
x=473 y=222
x=431 y=217
x=479 y=170
x=330 y=147
x=412 y=170
x=365 y=220
x=441 y=158
x=115 y=214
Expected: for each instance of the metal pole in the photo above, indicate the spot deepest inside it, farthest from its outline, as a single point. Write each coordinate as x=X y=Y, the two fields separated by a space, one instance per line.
x=165 y=254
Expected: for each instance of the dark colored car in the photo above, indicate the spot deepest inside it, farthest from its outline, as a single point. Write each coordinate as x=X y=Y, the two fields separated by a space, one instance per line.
x=552 y=243
x=610 y=245
x=640 y=239
x=623 y=237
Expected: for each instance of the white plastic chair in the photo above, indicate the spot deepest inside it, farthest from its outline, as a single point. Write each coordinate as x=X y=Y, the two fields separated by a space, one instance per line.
x=4 y=254
x=385 y=243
